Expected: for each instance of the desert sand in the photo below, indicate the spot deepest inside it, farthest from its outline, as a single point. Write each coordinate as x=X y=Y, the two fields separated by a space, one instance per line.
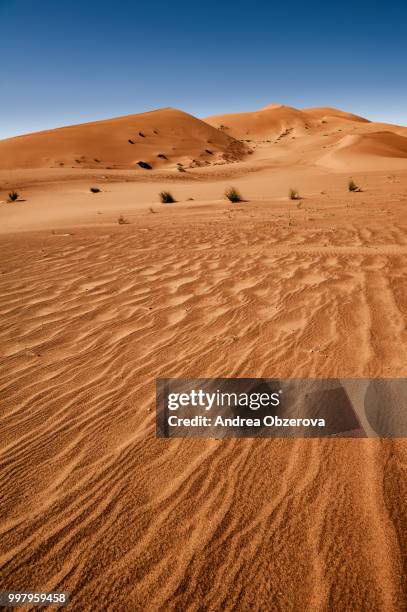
x=93 y=311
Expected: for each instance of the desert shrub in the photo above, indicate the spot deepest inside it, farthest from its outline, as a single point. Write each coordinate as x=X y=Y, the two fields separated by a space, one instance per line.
x=293 y=194
x=13 y=196
x=144 y=165
x=95 y=190
x=162 y=156
x=166 y=197
x=181 y=169
x=122 y=220
x=131 y=141
x=352 y=186
x=208 y=151
x=141 y=134
x=233 y=195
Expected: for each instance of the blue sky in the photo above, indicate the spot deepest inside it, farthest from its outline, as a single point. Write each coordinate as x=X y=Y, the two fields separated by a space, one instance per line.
x=67 y=62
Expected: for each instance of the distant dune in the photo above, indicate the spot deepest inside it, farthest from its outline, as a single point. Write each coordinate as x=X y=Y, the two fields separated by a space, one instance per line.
x=267 y=122
x=159 y=138
x=324 y=112
x=374 y=150
x=169 y=140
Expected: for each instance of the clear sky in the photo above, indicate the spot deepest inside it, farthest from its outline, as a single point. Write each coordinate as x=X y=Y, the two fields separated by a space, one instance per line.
x=64 y=62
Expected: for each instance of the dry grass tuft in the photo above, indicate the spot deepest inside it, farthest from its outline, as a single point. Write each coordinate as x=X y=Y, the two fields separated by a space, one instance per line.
x=233 y=195
x=166 y=197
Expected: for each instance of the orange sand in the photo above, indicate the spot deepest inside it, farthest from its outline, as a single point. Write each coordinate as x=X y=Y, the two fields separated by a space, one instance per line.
x=92 y=312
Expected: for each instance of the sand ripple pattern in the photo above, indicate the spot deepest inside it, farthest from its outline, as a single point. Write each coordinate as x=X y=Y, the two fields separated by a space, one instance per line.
x=93 y=504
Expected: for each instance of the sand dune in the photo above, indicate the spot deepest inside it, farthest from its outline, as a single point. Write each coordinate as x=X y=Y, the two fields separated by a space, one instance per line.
x=161 y=138
x=373 y=150
x=278 y=120
x=268 y=122
x=92 y=312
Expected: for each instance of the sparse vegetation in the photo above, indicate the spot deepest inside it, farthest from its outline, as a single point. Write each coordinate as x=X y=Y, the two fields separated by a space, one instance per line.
x=131 y=141
x=162 y=156
x=95 y=190
x=352 y=186
x=141 y=134
x=13 y=196
x=122 y=220
x=233 y=195
x=166 y=197
x=144 y=165
x=208 y=151
x=181 y=169
x=293 y=194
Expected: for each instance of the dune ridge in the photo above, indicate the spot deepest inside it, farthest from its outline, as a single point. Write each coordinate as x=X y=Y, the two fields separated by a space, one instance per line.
x=325 y=112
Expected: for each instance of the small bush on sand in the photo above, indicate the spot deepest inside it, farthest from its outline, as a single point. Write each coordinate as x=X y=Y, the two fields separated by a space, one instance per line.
x=352 y=186
x=144 y=165
x=293 y=194
x=122 y=220
x=166 y=197
x=13 y=196
x=233 y=195
x=95 y=190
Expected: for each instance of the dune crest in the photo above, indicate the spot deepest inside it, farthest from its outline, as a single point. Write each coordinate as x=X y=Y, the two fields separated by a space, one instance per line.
x=327 y=111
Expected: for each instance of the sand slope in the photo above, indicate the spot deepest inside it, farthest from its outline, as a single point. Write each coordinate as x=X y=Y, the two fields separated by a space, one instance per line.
x=325 y=112
x=372 y=150
x=268 y=122
x=168 y=132
x=325 y=136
